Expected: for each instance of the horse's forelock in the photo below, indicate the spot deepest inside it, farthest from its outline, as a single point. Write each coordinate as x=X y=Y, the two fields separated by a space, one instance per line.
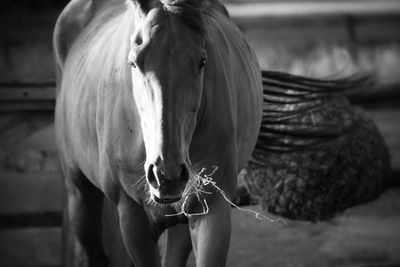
x=189 y=11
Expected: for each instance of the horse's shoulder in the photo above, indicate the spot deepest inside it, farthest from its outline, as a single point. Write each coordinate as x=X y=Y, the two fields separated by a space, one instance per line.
x=69 y=25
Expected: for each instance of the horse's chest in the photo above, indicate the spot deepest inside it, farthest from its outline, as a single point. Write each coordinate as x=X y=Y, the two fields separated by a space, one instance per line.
x=162 y=218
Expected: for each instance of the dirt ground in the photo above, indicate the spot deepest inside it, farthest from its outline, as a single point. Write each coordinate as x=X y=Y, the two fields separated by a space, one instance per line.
x=364 y=236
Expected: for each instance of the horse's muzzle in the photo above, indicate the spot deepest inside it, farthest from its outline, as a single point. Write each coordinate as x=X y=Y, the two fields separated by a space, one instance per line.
x=166 y=185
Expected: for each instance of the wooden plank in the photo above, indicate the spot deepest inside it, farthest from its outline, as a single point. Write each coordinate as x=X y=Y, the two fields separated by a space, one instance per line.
x=27 y=93
x=26 y=59
x=14 y=127
x=245 y=11
x=30 y=192
x=41 y=96
x=27 y=96
x=31 y=247
x=377 y=29
x=33 y=105
x=294 y=31
x=42 y=219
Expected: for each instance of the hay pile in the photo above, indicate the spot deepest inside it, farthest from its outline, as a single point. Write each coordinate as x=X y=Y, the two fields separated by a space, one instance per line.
x=316 y=154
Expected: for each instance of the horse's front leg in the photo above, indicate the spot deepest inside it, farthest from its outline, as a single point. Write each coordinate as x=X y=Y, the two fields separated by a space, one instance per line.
x=211 y=234
x=136 y=233
x=82 y=221
x=176 y=246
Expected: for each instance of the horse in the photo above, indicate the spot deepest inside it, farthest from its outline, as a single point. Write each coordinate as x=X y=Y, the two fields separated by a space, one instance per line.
x=151 y=94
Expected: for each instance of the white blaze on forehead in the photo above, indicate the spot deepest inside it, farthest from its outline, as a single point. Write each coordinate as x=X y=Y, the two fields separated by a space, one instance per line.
x=148 y=98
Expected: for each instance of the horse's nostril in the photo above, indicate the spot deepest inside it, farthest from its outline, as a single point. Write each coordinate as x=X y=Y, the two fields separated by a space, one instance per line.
x=151 y=176
x=158 y=179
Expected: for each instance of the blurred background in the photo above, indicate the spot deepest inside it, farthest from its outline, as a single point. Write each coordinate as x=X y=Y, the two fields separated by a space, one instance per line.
x=323 y=39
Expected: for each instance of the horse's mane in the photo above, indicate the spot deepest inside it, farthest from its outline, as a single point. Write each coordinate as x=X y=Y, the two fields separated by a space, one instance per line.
x=189 y=11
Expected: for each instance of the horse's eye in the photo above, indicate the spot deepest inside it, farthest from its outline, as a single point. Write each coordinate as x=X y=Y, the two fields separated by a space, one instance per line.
x=202 y=63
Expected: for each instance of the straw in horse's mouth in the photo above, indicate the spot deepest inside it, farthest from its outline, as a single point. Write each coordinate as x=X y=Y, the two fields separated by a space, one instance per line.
x=197 y=188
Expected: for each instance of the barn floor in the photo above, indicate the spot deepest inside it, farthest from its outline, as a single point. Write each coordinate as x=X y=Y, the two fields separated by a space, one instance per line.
x=367 y=235
x=364 y=236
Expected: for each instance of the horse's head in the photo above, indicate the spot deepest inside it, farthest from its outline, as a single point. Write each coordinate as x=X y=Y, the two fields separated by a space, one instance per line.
x=168 y=57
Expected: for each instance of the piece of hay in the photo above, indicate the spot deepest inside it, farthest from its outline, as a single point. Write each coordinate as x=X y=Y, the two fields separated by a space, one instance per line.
x=197 y=188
